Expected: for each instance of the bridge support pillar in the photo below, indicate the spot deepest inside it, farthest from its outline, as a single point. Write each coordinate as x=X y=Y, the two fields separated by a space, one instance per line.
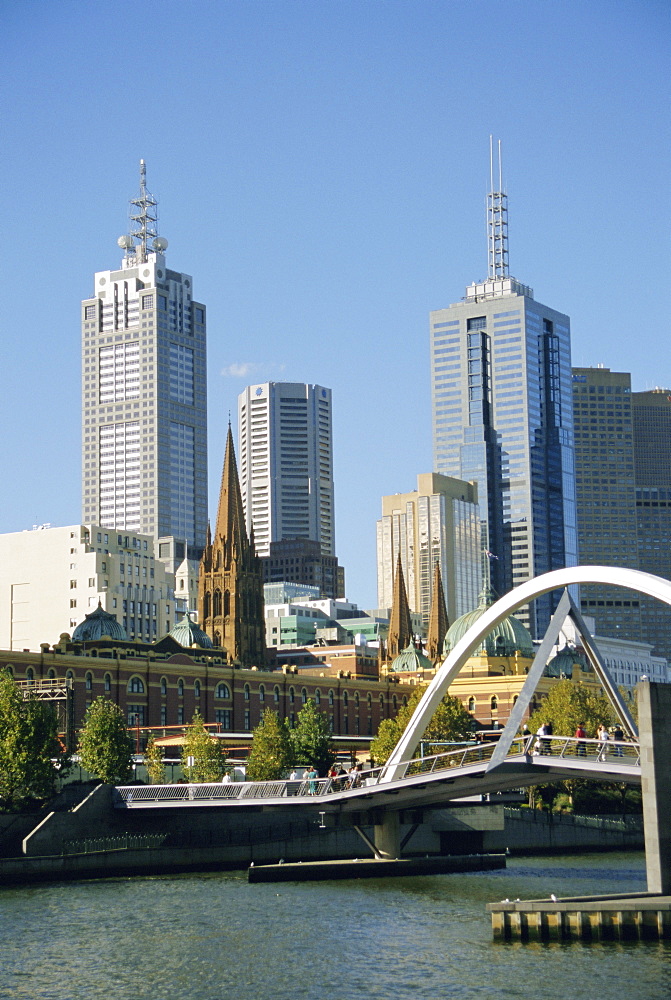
x=654 y=719
x=386 y=834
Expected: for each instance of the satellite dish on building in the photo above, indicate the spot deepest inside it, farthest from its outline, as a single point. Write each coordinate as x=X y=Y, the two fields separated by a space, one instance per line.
x=160 y=243
x=125 y=242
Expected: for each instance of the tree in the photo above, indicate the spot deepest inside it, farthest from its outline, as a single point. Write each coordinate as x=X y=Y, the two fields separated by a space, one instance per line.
x=271 y=753
x=568 y=704
x=209 y=762
x=105 y=746
x=450 y=723
x=311 y=739
x=153 y=761
x=29 y=746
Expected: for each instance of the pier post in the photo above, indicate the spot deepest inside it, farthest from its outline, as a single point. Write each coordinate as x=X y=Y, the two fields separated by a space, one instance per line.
x=386 y=834
x=654 y=720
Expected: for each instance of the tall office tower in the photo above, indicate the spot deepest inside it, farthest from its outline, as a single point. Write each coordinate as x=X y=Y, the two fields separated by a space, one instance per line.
x=502 y=416
x=286 y=480
x=606 y=494
x=436 y=524
x=144 y=402
x=652 y=470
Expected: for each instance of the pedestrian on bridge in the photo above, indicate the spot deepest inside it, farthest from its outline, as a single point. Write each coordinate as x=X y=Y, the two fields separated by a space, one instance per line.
x=580 y=734
x=603 y=737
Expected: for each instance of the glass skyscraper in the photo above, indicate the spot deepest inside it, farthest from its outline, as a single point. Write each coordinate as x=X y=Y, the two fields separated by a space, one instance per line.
x=502 y=416
x=144 y=395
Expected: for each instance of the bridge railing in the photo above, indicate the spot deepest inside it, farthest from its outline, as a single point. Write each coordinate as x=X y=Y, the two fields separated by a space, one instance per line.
x=550 y=748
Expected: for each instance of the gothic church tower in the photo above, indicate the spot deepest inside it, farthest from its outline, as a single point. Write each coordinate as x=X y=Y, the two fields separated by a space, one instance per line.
x=230 y=581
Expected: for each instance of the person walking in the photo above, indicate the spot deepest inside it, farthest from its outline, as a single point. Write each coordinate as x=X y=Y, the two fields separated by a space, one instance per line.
x=618 y=739
x=602 y=737
x=580 y=734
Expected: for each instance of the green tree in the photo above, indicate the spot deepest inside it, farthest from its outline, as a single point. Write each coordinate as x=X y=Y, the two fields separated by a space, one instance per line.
x=271 y=752
x=29 y=746
x=450 y=722
x=209 y=762
x=568 y=704
x=153 y=761
x=105 y=746
x=311 y=739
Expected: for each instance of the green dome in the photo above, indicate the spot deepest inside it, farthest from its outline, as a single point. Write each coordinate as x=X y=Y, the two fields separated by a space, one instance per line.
x=505 y=639
x=411 y=659
x=98 y=625
x=187 y=633
x=561 y=665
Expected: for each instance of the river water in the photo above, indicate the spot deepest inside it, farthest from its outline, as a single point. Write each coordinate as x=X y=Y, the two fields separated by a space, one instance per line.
x=215 y=937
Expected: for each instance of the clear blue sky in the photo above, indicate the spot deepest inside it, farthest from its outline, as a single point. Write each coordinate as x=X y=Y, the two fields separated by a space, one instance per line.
x=321 y=169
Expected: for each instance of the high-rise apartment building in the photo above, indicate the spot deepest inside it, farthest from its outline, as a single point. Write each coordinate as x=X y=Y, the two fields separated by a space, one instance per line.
x=502 y=416
x=144 y=395
x=286 y=480
x=438 y=523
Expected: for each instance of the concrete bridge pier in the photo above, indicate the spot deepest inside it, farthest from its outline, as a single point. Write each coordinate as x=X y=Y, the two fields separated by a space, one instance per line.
x=654 y=721
x=387 y=836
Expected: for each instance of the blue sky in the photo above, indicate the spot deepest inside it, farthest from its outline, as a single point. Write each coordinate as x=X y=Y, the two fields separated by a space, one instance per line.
x=321 y=169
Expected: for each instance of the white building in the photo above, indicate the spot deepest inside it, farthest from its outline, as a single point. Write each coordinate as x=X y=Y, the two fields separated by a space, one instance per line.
x=144 y=395
x=439 y=522
x=51 y=578
x=286 y=464
x=628 y=661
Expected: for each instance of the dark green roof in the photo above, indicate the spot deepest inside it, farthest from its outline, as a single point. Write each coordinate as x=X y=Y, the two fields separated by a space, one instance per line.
x=411 y=659
x=505 y=639
x=98 y=624
x=187 y=634
x=561 y=665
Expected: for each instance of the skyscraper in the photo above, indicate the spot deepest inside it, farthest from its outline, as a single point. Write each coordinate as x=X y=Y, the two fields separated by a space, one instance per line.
x=438 y=524
x=144 y=395
x=286 y=480
x=502 y=416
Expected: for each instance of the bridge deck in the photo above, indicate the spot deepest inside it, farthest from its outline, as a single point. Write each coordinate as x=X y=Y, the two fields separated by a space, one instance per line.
x=459 y=773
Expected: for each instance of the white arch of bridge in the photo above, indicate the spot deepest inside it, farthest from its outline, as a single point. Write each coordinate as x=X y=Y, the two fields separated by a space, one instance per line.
x=632 y=579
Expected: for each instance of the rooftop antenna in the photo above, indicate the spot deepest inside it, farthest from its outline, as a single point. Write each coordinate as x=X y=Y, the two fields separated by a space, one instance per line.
x=497 y=219
x=144 y=225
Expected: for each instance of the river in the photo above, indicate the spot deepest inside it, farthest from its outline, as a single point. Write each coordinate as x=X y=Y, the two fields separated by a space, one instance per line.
x=215 y=937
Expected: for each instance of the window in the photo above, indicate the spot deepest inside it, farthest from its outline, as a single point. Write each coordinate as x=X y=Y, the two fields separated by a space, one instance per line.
x=292 y=695
x=164 y=715
x=180 y=715
x=196 y=689
x=246 y=692
x=164 y=686
x=304 y=696
x=494 y=703
x=262 y=693
x=223 y=691
x=471 y=704
x=73 y=584
x=276 y=694
x=180 y=690
x=247 y=719
x=135 y=685
x=356 y=700
x=331 y=699
x=318 y=697
x=30 y=674
x=89 y=680
x=73 y=603
x=108 y=683
x=345 y=699
x=147 y=301
x=222 y=716
x=136 y=715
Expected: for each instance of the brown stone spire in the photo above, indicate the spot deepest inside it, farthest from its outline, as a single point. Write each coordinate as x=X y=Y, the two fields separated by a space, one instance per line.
x=230 y=582
x=438 y=623
x=400 y=627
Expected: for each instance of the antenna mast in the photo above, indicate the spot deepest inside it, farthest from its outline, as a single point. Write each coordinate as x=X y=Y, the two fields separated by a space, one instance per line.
x=497 y=220
x=145 y=220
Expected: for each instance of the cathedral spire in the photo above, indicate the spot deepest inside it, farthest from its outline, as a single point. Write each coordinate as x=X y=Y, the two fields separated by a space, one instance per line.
x=230 y=513
x=400 y=626
x=438 y=622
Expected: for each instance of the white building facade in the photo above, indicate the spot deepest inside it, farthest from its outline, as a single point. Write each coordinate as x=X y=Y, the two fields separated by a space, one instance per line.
x=144 y=395
x=51 y=578
x=286 y=463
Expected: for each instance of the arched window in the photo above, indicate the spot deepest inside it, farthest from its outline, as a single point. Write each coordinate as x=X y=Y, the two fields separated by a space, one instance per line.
x=207 y=603
x=217 y=639
x=331 y=699
x=30 y=674
x=304 y=696
x=108 y=683
x=51 y=673
x=246 y=692
x=369 y=699
x=262 y=693
x=494 y=703
x=89 y=681
x=196 y=688
x=394 y=701
x=180 y=687
x=164 y=686
x=216 y=604
x=276 y=694
x=136 y=685
x=69 y=675
x=345 y=699
x=292 y=695
x=356 y=700
x=227 y=603
x=223 y=691
x=318 y=697
x=471 y=704
x=514 y=698
x=405 y=699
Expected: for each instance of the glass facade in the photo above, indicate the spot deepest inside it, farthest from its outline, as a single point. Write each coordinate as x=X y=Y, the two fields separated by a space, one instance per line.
x=502 y=416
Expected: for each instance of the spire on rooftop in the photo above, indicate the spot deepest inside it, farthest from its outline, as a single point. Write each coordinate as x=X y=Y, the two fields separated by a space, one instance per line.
x=144 y=225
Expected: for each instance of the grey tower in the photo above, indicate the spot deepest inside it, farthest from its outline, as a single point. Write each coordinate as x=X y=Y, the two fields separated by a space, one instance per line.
x=144 y=396
x=502 y=416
